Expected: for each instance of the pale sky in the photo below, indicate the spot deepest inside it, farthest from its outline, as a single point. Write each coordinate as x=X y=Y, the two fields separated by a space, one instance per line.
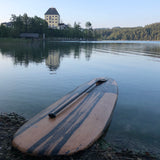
x=101 y=13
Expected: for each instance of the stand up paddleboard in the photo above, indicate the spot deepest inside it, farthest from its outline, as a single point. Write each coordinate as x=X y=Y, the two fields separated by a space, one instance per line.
x=71 y=124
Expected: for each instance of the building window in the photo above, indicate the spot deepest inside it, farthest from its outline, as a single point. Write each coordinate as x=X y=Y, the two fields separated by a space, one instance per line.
x=49 y=21
x=49 y=17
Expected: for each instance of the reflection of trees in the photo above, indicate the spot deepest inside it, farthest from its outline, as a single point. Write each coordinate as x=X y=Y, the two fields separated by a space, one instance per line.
x=36 y=51
x=145 y=49
x=88 y=51
x=24 y=53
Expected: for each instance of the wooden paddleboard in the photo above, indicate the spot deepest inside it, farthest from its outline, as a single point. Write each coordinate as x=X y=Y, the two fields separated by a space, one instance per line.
x=76 y=121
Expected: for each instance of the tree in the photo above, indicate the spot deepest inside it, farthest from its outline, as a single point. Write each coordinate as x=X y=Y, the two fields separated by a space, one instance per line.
x=17 y=23
x=28 y=24
x=4 y=31
x=88 y=25
x=77 y=26
x=89 y=30
x=77 y=32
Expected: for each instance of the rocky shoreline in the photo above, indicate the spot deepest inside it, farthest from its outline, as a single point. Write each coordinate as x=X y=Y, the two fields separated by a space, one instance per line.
x=9 y=123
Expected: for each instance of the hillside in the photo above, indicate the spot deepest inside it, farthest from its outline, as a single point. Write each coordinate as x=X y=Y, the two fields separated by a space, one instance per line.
x=149 y=32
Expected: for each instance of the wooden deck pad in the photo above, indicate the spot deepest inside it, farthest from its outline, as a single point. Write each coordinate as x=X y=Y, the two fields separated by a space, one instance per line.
x=78 y=126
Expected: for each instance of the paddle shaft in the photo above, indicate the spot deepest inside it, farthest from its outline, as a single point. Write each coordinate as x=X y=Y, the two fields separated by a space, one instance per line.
x=98 y=82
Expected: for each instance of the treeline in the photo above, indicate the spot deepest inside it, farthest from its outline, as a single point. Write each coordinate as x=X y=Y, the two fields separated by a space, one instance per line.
x=74 y=32
x=24 y=24
x=149 y=32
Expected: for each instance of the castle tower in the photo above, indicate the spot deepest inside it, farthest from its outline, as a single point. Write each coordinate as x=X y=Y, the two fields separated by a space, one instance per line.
x=52 y=17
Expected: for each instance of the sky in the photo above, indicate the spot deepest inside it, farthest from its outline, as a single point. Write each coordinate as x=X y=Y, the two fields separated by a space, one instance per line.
x=101 y=13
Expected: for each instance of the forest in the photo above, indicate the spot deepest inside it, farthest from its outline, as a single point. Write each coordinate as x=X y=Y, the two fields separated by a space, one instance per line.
x=25 y=24
x=149 y=32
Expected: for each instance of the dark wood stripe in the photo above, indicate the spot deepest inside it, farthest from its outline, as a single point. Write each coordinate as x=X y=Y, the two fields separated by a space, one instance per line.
x=65 y=136
x=87 y=89
x=68 y=135
x=23 y=129
x=78 y=90
x=61 y=125
x=63 y=131
x=101 y=89
x=30 y=150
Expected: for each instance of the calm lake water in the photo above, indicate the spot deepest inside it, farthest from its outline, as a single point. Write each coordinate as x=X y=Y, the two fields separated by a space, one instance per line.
x=34 y=75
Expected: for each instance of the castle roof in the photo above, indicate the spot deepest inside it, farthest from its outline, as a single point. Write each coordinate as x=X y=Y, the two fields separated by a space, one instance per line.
x=52 y=11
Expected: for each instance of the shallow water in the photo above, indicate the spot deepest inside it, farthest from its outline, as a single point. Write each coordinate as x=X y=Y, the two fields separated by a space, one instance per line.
x=34 y=75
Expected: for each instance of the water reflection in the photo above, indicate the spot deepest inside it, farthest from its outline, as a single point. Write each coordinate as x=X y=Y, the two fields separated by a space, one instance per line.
x=53 y=60
x=37 y=51
x=24 y=53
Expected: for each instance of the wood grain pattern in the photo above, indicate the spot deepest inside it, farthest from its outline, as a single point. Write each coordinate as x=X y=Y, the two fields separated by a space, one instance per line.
x=78 y=126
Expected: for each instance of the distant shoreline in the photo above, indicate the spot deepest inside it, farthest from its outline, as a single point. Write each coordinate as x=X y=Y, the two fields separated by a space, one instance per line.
x=68 y=40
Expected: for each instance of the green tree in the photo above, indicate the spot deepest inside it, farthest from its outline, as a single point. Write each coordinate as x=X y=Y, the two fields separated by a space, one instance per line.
x=26 y=22
x=4 y=31
x=17 y=23
x=88 y=25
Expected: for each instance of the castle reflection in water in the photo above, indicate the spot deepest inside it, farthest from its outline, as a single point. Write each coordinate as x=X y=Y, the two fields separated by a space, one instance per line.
x=53 y=60
x=23 y=53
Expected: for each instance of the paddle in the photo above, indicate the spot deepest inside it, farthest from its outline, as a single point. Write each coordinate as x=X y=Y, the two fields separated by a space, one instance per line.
x=96 y=83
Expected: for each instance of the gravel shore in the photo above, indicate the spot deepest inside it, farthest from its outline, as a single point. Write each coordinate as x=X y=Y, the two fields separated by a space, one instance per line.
x=9 y=123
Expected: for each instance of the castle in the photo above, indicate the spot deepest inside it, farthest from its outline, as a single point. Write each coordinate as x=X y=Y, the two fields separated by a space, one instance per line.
x=52 y=17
